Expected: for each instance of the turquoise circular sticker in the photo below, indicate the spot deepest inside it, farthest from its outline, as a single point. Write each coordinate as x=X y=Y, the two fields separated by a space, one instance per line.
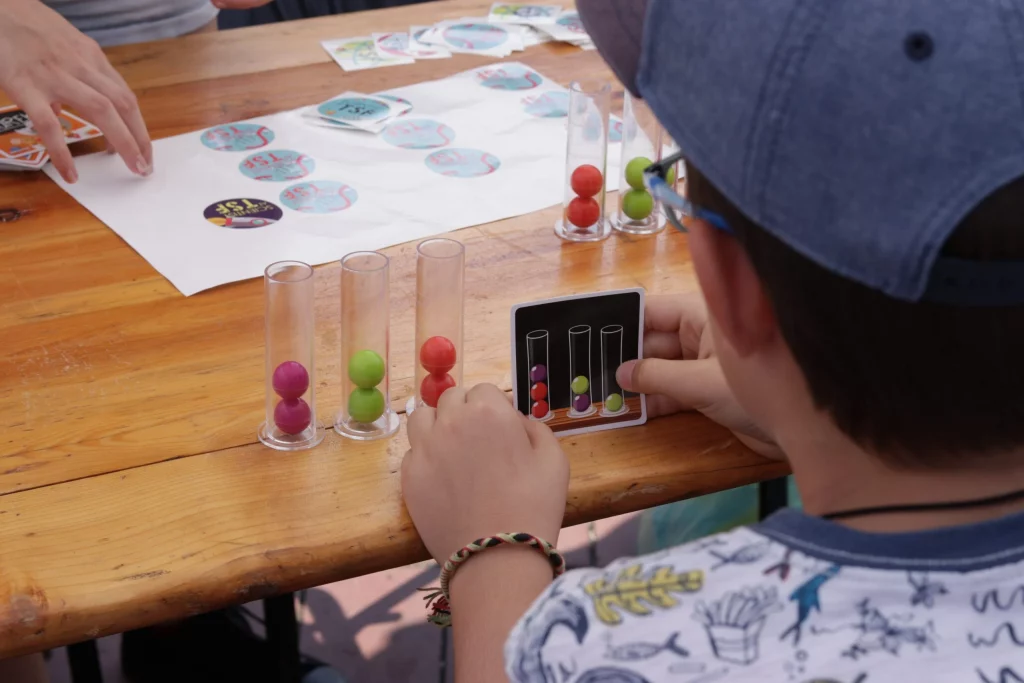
x=399 y=100
x=549 y=105
x=277 y=165
x=510 y=77
x=237 y=137
x=615 y=131
x=319 y=196
x=418 y=134
x=463 y=163
x=572 y=22
x=352 y=109
x=469 y=36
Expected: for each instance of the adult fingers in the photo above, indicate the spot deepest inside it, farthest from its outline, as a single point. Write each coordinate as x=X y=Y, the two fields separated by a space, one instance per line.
x=450 y=400
x=128 y=106
x=421 y=421
x=47 y=125
x=693 y=384
x=662 y=345
x=99 y=109
x=540 y=435
x=490 y=395
x=683 y=314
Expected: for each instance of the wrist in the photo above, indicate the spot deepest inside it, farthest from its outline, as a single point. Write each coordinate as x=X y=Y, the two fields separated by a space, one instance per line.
x=507 y=566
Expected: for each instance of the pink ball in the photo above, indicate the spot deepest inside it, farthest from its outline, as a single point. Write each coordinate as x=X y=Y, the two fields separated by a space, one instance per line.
x=292 y=415
x=290 y=379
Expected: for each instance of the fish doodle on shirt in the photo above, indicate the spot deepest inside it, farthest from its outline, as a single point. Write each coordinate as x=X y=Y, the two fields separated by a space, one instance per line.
x=807 y=600
x=635 y=592
x=634 y=652
x=734 y=622
x=608 y=674
x=925 y=591
x=560 y=611
x=747 y=554
x=881 y=633
x=782 y=567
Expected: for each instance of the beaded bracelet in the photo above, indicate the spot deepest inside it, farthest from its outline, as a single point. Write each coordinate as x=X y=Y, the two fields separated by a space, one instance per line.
x=439 y=600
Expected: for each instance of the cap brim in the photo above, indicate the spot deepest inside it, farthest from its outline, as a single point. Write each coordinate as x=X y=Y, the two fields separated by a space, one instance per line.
x=617 y=29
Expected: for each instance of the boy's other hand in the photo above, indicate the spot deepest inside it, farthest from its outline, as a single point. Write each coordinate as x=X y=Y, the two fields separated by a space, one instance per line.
x=477 y=467
x=680 y=371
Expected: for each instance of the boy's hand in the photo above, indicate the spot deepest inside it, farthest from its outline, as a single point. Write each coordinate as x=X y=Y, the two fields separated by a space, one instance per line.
x=477 y=467
x=680 y=370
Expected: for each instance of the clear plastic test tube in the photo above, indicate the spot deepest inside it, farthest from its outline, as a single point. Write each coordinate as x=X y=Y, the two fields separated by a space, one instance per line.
x=644 y=142
x=586 y=158
x=537 y=364
x=365 y=396
x=581 y=382
x=613 y=401
x=440 y=276
x=290 y=422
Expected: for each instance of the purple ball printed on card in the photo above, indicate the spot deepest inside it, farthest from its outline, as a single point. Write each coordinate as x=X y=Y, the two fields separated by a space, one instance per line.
x=581 y=403
x=538 y=373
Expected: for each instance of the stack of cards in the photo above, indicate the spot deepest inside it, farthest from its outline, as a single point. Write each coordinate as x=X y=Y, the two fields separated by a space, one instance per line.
x=510 y=27
x=356 y=111
x=21 y=148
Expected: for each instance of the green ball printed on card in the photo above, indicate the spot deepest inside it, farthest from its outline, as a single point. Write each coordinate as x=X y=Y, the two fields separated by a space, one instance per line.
x=580 y=385
x=613 y=403
x=366 y=369
x=366 y=405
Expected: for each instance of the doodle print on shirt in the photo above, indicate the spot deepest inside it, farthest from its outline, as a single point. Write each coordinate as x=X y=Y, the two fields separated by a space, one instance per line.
x=1006 y=675
x=879 y=632
x=1001 y=601
x=735 y=621
x=636 y=593
x=559 y=611
x=925 y=591
x=859 y=679
x=807 y=600
x=747 y=554
x=634 y=652
x=783 y=567
x=1003 y=628
x=609 y=674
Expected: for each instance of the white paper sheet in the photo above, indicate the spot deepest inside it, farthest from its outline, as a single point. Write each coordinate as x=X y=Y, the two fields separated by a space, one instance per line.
x=394 y=195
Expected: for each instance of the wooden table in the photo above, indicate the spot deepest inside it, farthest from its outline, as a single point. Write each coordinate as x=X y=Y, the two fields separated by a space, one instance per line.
x=132 y=487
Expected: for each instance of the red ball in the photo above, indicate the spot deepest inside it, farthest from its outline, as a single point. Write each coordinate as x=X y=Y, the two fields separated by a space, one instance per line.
x=433 y=386
x=539 y=391
x=437 y=355
x=292 y=415
x=586 y=181
x=583 y=212
x=540 y=409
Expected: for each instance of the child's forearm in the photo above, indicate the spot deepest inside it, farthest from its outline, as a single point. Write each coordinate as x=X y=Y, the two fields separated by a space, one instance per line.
x=488 y=596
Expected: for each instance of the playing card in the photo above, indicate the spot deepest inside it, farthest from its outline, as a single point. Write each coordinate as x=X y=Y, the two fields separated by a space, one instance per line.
x=567 y=28
x=565 y=352
x=519 y=13
x=18 y=138
x=364 y=112
x=401 y=45
x=355 y=54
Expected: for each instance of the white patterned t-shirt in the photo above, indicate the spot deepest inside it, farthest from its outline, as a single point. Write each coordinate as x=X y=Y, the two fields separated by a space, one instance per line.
x=793 y=599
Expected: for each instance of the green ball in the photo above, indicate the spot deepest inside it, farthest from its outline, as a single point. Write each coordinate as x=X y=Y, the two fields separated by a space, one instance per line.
x=580 y=385
x=366 y=405
x=670 y=177
x=613 y=403
x=637 y=204
x=635 y=172
x=366 y=369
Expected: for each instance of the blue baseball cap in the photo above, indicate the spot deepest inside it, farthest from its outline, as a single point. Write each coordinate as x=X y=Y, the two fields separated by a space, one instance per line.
x=859 y=133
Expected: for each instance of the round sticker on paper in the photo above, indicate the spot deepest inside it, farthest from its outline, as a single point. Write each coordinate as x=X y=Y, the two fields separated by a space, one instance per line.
x=277 y=165
x=319 y=196
x=399 y=100
x=511 y=77
x=615 y=131
x=352 y=109
x=243 y=213
x=418 y=134
x=394 y=44
x=237 y=137
x=571 y=22
x=361 y=52
x=475 y=36
x=549 y=105
x=463 y=163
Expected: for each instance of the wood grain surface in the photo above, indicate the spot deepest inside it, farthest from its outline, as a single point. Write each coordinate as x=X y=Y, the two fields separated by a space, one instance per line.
x=132 y=488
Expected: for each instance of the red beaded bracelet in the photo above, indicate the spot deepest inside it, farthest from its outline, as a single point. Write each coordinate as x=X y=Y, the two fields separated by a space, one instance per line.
x=439 y=601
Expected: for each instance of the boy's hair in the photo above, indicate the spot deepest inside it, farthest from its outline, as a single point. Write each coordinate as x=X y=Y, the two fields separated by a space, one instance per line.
x=919 y=384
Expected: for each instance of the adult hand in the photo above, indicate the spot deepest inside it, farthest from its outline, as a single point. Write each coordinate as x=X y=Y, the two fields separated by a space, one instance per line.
x=477 y=467
x=45 y=63
x=681 y=372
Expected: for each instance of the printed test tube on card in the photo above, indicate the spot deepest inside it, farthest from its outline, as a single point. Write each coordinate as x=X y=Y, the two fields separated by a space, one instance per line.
x=583 y=214
x=644 y=142
x=291 y=422
x=540 y=380
x=366 y=412
x=581 y=378
x=440 y=275
x=613 y=401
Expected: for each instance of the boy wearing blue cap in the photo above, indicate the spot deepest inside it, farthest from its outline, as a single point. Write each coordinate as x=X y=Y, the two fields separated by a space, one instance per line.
x=855 y=202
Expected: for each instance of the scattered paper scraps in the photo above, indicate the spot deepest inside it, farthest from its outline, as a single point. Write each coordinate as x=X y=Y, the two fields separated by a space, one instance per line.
x=356 y=54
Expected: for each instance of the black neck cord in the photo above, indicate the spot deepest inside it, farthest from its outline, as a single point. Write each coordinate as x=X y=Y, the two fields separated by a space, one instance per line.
x=920 y=507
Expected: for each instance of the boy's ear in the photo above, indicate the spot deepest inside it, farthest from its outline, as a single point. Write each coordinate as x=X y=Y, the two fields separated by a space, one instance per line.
x=735 y=296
